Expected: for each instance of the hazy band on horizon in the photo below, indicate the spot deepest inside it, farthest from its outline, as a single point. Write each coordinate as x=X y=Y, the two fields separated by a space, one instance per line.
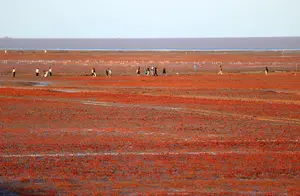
x=190 y=44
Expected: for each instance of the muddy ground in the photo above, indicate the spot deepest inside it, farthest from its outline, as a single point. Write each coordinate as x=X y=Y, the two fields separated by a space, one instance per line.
x=80 y=63
x=236 y=134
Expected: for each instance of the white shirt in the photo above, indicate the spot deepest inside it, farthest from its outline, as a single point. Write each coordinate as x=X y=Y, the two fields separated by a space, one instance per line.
x=50 y=70
x=37 y=71
x=14 y=71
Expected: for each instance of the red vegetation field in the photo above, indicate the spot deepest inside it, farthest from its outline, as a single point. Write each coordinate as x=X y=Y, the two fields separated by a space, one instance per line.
x=234 y=134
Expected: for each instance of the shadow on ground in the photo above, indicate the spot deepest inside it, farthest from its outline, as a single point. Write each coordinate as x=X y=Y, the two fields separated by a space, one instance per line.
x=18 y=189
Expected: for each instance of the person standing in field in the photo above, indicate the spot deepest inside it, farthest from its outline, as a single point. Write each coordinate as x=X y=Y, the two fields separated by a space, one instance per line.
x=50 y=71
x=152 y=71
x=37 y=72
x=106 y=72
x=46 y=73
x=220 y=70
x=266 y=70
x=164 y=71
x=14 y=72
x=94 y=72
x=138 y=71
x=155 y=71
x=109 y=72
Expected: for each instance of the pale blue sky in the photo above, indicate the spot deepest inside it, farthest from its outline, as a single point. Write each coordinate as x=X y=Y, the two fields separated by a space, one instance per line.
x=149 y=18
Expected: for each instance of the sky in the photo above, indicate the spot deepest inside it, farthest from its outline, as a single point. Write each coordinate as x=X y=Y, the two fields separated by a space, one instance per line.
x=149 y=18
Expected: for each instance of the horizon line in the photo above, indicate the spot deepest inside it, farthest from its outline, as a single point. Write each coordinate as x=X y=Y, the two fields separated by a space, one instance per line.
x=7 y=37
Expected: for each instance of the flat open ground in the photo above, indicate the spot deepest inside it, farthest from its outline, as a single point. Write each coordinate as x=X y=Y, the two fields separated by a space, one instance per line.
x=208 y=134
x=125 y=62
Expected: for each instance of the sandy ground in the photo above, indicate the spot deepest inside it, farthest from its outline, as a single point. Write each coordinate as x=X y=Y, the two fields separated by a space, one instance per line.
x=236 y=134
x=125 y=63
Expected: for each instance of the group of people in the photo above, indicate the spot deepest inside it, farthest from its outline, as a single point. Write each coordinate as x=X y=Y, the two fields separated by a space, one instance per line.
x=149 y=71
x=37 y=72
x=153 y=71
x=221 y=70
x=108 y=72
x=45 y=72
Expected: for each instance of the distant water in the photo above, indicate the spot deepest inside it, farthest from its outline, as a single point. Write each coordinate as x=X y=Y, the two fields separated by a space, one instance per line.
x=158 y=50
x=162 y=44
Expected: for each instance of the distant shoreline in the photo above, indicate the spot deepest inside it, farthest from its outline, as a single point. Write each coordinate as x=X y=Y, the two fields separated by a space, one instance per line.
x=155 y=50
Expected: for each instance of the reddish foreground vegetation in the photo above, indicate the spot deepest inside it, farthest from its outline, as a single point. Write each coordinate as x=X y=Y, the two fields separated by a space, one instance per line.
x=224 y=135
